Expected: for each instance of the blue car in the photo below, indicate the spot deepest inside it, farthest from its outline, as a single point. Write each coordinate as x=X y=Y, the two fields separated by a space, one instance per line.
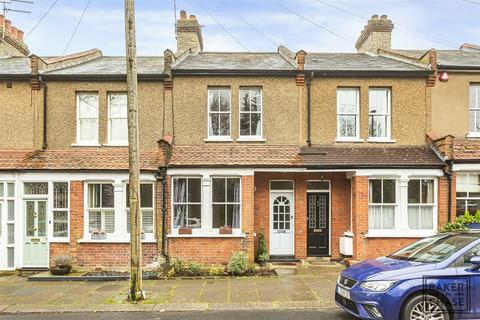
x=436 y=278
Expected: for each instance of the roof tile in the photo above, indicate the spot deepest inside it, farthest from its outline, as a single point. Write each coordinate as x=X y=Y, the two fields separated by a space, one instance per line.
x=77 y=159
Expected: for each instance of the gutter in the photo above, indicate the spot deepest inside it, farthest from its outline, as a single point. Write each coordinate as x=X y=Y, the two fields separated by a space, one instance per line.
x=45 y=95
x=309 y=85
x=101 y=77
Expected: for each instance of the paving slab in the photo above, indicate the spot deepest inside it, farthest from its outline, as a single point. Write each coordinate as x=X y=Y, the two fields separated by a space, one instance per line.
x=215 y=291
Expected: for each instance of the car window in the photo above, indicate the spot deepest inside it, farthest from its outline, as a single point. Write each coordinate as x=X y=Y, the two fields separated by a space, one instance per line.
x=434 y=249
x=464 y=260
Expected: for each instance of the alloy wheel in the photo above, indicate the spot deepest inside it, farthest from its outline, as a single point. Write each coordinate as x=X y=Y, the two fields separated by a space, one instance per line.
x=427 y=310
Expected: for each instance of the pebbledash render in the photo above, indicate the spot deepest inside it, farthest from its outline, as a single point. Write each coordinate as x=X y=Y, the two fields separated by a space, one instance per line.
x=326 y=154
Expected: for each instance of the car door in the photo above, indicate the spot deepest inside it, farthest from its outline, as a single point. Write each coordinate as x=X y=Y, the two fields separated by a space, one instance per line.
x=472 y=277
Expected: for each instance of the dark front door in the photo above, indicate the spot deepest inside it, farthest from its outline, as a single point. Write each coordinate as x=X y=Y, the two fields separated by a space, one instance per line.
x=318 y=224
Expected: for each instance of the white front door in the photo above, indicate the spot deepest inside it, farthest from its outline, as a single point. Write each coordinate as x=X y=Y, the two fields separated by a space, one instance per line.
x=36 y=246
x=281 y=224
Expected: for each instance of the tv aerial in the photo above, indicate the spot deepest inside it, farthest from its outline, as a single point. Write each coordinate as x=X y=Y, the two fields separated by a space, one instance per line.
x=7 y=7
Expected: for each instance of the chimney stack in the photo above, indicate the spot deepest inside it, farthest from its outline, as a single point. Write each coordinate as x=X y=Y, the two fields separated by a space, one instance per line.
x=189 y=34
x=11 y=40
x=377 y=34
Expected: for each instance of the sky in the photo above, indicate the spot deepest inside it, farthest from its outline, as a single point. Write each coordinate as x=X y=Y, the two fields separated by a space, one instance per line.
x=253 y=25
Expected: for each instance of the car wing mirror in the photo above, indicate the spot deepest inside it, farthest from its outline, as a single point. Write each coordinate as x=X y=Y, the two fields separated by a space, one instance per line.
x=475 y=261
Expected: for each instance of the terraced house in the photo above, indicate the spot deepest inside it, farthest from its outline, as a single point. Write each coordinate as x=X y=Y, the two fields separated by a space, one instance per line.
x=324 y=153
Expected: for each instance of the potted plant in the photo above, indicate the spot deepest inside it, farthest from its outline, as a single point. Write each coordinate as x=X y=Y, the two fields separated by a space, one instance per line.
x=184 y=230
x=62 y=265
x=470 y=221
x=263 y=256
x=98 y=234
x=225 y=230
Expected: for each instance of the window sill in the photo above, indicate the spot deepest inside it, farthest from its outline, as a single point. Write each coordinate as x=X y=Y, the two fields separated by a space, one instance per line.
x=86 y=145
x=381 y=140
x=351 y=140
x=213 y=139
x=113 y=241
x=115 y=144
x=206 y=235
x=473 y=135
x=251 y=139
x=400 y=234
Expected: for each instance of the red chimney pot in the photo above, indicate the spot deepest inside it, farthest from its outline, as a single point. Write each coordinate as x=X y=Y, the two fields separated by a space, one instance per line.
x=20 y=34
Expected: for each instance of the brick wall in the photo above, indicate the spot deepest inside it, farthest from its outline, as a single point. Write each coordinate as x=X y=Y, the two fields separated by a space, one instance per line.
x=204 y=250
x=367 y=248
x=339 y=202
x=215 y=250
x=114 y=256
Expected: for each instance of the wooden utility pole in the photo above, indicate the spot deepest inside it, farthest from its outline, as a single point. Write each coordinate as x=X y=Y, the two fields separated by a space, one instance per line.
x=135 y=291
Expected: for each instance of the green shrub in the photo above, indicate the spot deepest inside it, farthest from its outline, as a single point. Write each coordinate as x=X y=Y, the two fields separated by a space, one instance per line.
x=453 y=226
x=477 y=215
x=262 y=248
x=216 y=271
x=238 y=263
x=178 y=266
x=194 y=268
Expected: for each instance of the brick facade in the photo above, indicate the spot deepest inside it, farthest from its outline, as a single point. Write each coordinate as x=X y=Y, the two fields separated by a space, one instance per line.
x=339 y=203
x=115 y=256
x=367 y=248
x=346 y=195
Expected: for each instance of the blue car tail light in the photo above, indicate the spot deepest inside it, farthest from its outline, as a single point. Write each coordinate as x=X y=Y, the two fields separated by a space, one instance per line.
x=372 y=311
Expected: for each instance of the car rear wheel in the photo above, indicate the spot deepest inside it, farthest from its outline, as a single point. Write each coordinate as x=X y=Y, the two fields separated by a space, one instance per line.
x=425 y=307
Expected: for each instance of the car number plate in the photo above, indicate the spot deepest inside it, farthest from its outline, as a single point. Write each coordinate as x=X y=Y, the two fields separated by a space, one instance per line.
x=343 y=292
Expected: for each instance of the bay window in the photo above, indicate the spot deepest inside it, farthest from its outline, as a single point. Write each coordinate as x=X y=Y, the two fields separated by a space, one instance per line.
x=101 y=208
x=420 y=203
x=187 y=203
x=146 y=207
x=226 y=202
x=87 y=118
x=60 y=209
x=379 y=113
x=474 y=109
x=348 y=126
x=219 y=113
x=468 y=193
x=251 y=112
x=382 y=204
x=117 y=119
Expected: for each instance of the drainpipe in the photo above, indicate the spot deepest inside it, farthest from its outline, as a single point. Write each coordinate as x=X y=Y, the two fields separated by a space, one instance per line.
x=162 y=176
x=309 y=84
x=45 y=95
x=449 y=173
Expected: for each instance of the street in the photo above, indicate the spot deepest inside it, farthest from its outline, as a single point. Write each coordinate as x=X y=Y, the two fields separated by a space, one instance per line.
x=197 y=315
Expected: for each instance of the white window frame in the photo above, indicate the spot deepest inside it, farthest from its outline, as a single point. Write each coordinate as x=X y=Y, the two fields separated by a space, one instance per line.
x=110 y=118
x=236 y=230
x=219 y=137
x=421 y=204
x=202 y=213
x=382 y=204
x=258 y=137
x=401 y=214
x=476 y=109
x=87 y=142
x=356 y=114
x=53 y=210
x=467 y=198
x=102 y=210
x=148 y=236
x=388 y=115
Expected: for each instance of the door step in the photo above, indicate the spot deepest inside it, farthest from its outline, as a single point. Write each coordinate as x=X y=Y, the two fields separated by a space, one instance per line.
x=26 y=272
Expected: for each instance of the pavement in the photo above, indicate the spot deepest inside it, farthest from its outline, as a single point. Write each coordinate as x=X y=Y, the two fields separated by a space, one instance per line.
x=310 y=288
x=323 y=314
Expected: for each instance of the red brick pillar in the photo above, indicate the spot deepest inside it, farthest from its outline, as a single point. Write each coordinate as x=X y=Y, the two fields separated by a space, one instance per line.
x=300 y=217
x=248 y=220
x=359 y=216
x=76 y=217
